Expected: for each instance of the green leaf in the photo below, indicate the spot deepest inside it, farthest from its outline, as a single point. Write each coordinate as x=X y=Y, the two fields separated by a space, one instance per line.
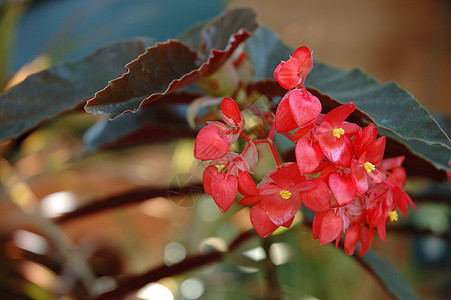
x=266 y=50
x=394 y=282
x=392 y=109
x=49 y=93
x=169 y=66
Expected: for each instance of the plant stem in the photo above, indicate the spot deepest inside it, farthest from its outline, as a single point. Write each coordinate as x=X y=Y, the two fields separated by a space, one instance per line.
x=133 y=196
x=274 y=153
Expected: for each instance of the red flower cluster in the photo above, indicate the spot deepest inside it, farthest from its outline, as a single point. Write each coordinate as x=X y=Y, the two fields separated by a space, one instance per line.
x=339 y=171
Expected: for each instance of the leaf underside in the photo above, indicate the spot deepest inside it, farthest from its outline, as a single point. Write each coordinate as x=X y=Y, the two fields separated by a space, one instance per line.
x=169 y=66
x=49 y=93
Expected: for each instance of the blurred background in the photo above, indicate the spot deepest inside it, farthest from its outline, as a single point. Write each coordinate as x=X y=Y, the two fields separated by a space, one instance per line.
x=407 y=42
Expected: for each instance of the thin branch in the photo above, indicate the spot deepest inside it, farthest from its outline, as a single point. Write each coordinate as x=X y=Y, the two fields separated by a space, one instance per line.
x=129 y=197
x=132 y=283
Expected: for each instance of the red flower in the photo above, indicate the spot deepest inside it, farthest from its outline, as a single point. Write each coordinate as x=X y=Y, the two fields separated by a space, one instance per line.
x=210 y=143
x=327 y=226
x=308 y=155
x=342 y=187
x=279 y=193
x=292 y=73
x=334 y=135
x=213 y=141
x=365 y=167
x=298 y=108
x=262 y=223
x=231 y=114
x=317 y=199
x=223 y=187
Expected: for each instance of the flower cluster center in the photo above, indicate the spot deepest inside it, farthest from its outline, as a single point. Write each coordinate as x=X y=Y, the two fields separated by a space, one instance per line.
x=285 y=194
x=368 y=167
x=393 y=215
x=338 y=132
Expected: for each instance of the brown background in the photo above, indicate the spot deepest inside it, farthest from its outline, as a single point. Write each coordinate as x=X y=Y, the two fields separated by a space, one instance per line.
x=405 y=41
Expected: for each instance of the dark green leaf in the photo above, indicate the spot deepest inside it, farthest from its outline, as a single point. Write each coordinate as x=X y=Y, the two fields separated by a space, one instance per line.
x=266 y=50
x=169 y=66
x=394 y=282
x=47 y=94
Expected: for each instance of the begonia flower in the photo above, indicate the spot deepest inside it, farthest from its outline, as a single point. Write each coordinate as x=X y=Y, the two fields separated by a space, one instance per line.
x=292 y=73
x=262 y=223
x=297 y=108
x=308 y=155
x=280 y=193
x=365 y=167
x=334 y=135
x=214 y=140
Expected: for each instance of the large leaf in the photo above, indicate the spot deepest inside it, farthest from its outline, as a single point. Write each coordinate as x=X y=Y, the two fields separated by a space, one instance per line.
x=83 y=26
x=392 y=109
x=47 y=94
x=152 y=123
x=166 y=67
x=393 y=281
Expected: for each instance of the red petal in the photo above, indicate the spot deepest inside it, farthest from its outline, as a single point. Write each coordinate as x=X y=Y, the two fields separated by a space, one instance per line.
x=261 y=221
x=403 y=201
x=342 y=188
x=375 y=151
x=363 y=138
x=302 y=132
x=392 y=162
x=284 y=118
x=231 y=110
x=316 y=226
x=210 y=173
x=375 y=176
x=305 y=107
x=209 y=144
x=304 y=55
x=308 y=156
x=381 y=230
x=317 y=199
x=287 y=176
x=331 y=228
x=246 y=185
x=288 y=223
x=224 y=191
x=398 y=177
x=351 y=238
x=350 y=128
x=359 y=175
x=333 y=148
x=281 y=210
x=337 y=115
x=286 y=73
x=249 y=200
x=366 y=237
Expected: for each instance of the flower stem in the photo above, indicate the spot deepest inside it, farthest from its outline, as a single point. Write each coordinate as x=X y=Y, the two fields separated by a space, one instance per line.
x=274 y=153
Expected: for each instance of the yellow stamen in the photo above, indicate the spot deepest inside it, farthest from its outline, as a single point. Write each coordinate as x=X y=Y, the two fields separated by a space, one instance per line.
x=369 y=167
x=393 y=215
x=285 y=194
x=338 y=132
